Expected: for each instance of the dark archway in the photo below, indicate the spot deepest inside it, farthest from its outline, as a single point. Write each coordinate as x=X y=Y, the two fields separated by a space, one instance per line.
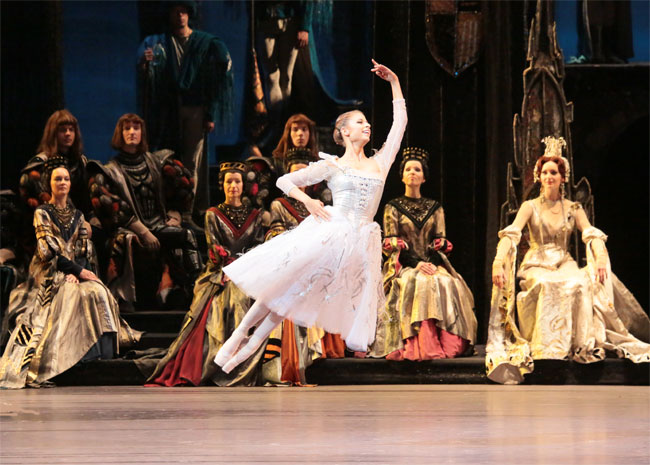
x=622 y=206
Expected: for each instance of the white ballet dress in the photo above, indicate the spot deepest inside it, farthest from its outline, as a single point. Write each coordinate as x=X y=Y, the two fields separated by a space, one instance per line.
x=328 y=273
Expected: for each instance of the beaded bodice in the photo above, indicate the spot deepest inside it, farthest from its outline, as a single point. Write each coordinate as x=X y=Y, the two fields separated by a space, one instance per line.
x=356 y=194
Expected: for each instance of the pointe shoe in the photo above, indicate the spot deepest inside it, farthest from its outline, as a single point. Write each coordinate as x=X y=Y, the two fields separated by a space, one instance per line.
x=243 y=354
x=222 y=357
x=230 y=364
x=228 y=349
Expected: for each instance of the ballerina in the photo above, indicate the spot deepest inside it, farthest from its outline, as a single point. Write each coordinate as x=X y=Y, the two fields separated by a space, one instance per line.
x=327 y=271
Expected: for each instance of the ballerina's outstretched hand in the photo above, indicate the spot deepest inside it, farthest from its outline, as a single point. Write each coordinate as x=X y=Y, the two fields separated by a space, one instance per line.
x=383 y=72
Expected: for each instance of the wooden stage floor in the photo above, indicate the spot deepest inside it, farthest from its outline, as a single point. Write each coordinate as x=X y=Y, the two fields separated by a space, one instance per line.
x=414 y=424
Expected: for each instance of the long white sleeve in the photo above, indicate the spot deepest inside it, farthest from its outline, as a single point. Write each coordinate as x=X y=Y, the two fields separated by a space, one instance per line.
x=308 y=176
x=386 y=156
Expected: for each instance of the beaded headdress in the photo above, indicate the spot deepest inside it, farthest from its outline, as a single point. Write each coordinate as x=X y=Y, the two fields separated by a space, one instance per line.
x=53 y=163
x=233 y=166
x=554 y=147
x=295 y=155
x=415 y=153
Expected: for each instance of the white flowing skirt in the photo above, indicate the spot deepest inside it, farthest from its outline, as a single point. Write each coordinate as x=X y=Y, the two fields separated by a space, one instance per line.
x=326 y=274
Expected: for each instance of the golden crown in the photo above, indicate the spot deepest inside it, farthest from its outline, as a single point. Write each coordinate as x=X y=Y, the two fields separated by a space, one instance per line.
x=415 y=153
x=233 y=166
x=553 y=148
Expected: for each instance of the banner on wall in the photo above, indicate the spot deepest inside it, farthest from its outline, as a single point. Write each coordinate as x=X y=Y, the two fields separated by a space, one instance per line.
x=454 y=33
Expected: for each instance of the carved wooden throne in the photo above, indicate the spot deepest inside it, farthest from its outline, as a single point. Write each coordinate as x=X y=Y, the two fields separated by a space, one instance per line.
x=544 y=112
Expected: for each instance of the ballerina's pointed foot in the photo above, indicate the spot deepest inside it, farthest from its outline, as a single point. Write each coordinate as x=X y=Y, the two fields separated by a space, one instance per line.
x=228 y=350
x=222 y=357
x=244 y=353
x=230 y=365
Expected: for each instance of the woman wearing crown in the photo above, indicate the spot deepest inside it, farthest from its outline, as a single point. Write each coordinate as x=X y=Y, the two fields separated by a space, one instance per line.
x=218 y=306
x=62 y=313
x=429 y=311
x=562 y=311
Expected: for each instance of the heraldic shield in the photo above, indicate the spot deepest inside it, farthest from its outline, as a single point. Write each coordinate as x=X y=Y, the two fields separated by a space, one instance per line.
x=454 y=33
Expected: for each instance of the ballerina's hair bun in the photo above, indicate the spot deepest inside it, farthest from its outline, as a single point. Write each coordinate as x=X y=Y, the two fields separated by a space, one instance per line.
x=341 y=122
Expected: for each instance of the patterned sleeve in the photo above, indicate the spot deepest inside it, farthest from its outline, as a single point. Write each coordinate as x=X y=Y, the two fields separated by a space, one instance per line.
x=391 y=221
x=46 y=245
x=216 y=253
x=277 y=225
x=276 y=211
x=386 y=156
x=312 y=174
x=393 y=246
x=260 y=230
x=439 y=229
x=438 y=237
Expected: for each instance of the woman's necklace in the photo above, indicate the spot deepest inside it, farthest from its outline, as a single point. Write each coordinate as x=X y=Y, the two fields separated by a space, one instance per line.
x=65 y=215
x=237 y=215
x=552 y=209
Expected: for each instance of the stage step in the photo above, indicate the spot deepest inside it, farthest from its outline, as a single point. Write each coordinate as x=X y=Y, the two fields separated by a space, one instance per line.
x=162 y=327
x=471 y=370
x=149 y=340
x=468 y=370
x=156 y=321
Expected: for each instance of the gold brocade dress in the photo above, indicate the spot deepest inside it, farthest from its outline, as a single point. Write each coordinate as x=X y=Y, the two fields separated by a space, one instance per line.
x=425 y=316
x=217 y=308
x=562 y=311
x=57 y=322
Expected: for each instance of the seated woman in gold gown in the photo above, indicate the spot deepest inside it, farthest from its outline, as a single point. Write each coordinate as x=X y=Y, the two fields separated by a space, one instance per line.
x=429 y=310
x=62 y=313
x=562 y=311
x=218 y=305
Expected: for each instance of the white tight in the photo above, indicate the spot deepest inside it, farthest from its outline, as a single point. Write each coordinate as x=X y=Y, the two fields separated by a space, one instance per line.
x=230 y=355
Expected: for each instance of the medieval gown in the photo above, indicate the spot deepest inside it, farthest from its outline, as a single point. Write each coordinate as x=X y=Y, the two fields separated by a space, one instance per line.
x=426 y=316
x=562 y=311
x=57 y=323
x=328 y=273
x=217 y=307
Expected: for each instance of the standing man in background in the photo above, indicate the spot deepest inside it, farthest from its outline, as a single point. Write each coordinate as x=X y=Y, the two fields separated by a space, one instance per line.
x=185 y=87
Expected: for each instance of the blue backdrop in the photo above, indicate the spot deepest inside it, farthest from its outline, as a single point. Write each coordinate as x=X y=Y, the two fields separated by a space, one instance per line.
x=566 y=19
x=100 y=43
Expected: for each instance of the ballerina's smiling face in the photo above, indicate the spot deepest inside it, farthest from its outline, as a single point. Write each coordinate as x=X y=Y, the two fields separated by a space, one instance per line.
x=357 y=128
